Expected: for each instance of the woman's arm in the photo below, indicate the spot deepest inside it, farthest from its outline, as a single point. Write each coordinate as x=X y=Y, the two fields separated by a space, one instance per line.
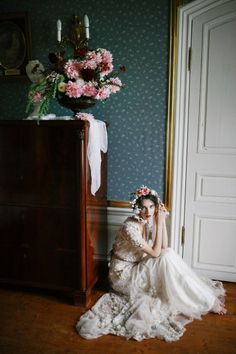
x=150 y=250
x=157 y=244
x=164 y=235
x=161 y=237
x=163 y=213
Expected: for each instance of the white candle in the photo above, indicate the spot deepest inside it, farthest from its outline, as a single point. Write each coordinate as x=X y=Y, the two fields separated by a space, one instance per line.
x=59 y=30
x=86 y=26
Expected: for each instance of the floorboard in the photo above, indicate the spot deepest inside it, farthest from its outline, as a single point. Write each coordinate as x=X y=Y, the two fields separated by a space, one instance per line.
x=41 y=323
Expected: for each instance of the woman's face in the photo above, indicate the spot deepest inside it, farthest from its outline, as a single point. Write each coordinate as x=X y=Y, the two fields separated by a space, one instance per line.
x=147 y=209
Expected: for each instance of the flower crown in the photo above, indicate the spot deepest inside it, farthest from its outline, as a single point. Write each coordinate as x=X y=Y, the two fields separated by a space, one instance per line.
x=141 y=192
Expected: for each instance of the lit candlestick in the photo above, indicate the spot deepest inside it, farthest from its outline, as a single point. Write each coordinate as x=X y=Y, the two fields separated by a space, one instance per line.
x=86 y=26
x=59 y=30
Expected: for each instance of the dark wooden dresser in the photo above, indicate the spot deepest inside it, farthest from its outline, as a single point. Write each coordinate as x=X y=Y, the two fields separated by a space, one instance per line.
x=51 y=226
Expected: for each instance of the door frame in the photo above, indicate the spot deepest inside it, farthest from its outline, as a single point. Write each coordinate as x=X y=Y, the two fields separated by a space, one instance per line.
x=179 y=112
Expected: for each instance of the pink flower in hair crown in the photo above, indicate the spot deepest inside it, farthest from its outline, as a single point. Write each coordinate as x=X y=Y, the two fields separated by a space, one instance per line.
x=142 y=191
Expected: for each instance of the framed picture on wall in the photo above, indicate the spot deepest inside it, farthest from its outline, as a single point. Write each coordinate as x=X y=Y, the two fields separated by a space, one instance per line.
x=15 y=44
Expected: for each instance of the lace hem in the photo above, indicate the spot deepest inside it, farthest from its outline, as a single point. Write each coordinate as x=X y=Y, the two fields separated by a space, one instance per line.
x=140 y=319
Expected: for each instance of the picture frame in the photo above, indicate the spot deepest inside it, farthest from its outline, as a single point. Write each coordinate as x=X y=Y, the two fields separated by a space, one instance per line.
x=15 y=44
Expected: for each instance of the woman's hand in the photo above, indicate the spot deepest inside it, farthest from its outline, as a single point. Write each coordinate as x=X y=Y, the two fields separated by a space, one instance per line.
x=161 y=212
x=162 y=209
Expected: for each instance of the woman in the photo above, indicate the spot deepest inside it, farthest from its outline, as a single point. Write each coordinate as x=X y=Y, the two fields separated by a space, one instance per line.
x=154 y=293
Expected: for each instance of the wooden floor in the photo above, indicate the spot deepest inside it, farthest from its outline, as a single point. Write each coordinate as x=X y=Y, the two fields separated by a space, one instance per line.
x=39 y=323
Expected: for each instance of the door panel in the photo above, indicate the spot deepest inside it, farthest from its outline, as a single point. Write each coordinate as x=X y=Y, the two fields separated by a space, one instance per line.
x=210 y=196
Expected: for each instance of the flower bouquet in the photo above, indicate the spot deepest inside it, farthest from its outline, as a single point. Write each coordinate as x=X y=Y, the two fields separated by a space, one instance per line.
x=88 y=75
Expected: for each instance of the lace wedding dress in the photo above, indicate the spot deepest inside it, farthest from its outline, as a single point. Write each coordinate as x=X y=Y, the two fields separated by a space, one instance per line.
x=151 y=297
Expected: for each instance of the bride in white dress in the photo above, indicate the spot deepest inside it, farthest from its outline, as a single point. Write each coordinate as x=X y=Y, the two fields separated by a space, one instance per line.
x=154 y=292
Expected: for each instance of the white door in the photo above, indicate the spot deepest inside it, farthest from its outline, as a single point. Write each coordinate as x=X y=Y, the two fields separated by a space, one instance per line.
x=210 y=194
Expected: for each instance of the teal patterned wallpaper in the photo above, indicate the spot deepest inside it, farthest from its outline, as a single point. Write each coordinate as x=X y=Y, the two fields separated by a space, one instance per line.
x=137 y=33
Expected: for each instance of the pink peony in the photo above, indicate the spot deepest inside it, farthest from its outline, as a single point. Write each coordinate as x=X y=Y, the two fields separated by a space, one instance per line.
x=97 y=57
x=106 y=55
x=88 y=64
x=73 y=90
x=106 y=65
x=103 y=93
x=89 y=90
x=105 y=68
x=72 y=69
x=115 y=84
x=142 y=191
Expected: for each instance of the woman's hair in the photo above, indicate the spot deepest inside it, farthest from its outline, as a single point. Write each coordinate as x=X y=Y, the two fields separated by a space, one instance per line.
x=151 y=197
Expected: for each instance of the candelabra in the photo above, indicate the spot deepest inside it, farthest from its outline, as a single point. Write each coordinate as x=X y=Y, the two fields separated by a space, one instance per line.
x=79 y=35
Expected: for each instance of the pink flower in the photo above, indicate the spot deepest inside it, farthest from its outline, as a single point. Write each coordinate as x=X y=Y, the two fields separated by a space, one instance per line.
x=115 y=84
x=88 y=64
x=103 y=93
x=84 y=116
x=115 y=81
x=106 y=55
x=89 y=90
x=73 y=90
x=72 y=69
x=36 y=97
x=142 y=191
x=105 y=68
x=106 y=65
x=97 y=57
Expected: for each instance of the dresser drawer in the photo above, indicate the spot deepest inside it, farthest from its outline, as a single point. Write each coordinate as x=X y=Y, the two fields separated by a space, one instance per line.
x=38 y=244
x=48 y=269
x=39 y=165
x=45 y=228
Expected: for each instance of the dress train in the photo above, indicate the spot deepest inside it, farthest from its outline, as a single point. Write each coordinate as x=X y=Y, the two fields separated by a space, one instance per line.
x=163 y=295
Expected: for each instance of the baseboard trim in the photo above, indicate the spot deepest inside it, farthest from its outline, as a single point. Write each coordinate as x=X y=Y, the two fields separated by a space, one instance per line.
x=118 y=204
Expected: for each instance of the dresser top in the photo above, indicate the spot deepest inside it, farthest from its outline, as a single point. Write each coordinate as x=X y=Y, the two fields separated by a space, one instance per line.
x=51 y=123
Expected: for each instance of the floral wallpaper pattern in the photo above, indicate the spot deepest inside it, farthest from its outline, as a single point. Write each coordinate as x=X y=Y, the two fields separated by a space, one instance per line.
x=137 y=34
